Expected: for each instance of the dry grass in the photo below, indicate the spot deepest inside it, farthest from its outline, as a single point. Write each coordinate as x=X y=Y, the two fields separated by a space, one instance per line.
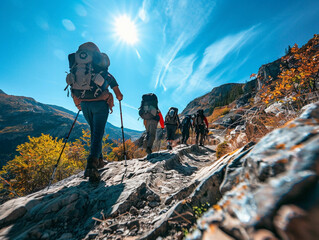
x=218 y=112
x=139 y=153
x=258 y=124
x=222 y=149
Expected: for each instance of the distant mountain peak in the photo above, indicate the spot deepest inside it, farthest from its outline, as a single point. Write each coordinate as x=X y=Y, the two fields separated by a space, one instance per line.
x=2 y=92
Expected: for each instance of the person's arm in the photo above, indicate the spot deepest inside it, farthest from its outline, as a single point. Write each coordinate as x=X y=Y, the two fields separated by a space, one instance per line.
x=114 y=85
x=161 y=119
x=118 y=93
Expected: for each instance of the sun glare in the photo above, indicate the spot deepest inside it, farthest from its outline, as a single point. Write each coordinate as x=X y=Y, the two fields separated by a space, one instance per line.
x=126 y=29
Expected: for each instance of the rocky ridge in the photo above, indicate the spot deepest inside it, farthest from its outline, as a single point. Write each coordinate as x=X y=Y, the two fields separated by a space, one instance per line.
x=263 y=189
x=219 y=96
x=271 y=190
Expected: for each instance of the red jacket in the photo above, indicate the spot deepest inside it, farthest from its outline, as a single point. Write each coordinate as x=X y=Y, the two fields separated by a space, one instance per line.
x=161 y=120
x=206 y=122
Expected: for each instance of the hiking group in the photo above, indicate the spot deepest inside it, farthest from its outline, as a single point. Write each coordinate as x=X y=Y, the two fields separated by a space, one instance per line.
x=89 y=80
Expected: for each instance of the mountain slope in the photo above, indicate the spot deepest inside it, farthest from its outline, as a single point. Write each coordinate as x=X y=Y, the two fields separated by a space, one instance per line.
x=219 y=96
x=23 y=116
x=163 y=196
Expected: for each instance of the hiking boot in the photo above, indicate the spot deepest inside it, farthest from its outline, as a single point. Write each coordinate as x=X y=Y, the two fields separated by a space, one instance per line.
x=101 y=163
x=94 y=176
x=91 y=170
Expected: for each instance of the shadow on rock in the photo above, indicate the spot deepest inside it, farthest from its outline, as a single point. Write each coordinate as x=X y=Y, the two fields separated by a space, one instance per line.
x=68 y=211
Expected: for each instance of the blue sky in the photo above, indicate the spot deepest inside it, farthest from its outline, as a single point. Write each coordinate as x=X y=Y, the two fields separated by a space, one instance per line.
x=184 y=47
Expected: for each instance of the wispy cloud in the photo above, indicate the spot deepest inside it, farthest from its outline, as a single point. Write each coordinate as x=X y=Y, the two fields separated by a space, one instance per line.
x=214 y=55
x=181 y=27
x=80 y=10
x=142 y=13
x=68 y=24
x=166 y=60
x=179 y=71
x=138 y=54
x=128 y=105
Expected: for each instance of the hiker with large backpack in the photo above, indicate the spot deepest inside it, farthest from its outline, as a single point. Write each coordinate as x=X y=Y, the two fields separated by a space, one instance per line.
x=186 y=125
x=171 y=123
x=201 y=126
x=89 y=80
x=151 y=115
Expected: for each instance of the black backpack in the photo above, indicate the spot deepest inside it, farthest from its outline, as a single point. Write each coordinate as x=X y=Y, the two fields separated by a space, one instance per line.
x=199 y=118
x=186 y=122
x=171 y=116
x=149 y=106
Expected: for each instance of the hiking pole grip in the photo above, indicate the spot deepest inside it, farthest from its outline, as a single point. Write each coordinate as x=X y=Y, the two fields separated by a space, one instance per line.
x=66 y=140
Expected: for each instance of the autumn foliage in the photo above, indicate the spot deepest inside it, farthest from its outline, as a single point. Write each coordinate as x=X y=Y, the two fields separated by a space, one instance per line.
x=117 y=153
x=218 y=112
x=299 y=73
x=31 y=170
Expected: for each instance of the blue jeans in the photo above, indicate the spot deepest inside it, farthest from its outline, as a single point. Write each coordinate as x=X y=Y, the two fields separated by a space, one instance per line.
x=96 y=113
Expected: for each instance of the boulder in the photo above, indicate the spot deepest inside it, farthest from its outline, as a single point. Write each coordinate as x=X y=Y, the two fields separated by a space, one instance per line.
x=273 y=186
x=267 y=73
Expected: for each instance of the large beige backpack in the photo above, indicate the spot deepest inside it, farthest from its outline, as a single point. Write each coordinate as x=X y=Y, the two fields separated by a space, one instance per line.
x=88 y=71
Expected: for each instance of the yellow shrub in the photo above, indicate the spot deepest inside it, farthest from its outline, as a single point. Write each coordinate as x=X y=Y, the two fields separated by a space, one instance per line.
x=31 y=170
x=218 y=112
x=221 y=149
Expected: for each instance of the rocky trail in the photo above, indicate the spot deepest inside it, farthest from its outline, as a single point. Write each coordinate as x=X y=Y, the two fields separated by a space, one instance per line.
x=139 y=206
x=264 y=189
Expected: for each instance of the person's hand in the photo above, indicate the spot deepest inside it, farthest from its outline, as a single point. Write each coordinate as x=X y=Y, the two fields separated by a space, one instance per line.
x=119 y=96
x=118 y=93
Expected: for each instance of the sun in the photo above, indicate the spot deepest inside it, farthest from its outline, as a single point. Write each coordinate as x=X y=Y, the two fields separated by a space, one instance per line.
x=126 y=29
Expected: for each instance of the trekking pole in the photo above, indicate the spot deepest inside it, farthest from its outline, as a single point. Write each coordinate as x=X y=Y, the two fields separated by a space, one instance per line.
x=125 y=164
x=65 y=141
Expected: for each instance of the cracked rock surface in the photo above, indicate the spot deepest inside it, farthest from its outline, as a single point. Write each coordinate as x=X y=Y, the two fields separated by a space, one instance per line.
x=267 y=190
x=272 y=191
x=113 y=209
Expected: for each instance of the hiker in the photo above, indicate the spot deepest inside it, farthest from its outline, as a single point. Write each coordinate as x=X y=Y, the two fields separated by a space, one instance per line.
x=151 y=115
x=185 y=126
x=171 y=123
x=201 y=127
x=89 y=80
